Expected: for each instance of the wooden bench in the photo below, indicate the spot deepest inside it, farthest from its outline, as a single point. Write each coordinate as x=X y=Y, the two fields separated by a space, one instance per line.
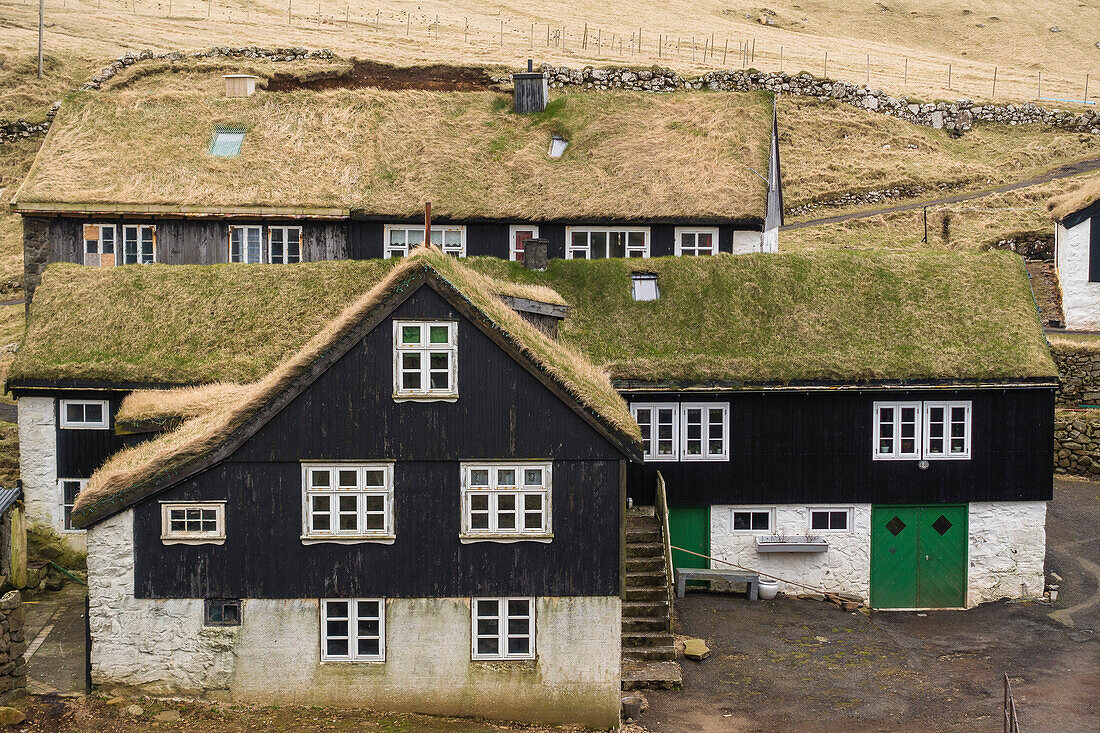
x=683 y=575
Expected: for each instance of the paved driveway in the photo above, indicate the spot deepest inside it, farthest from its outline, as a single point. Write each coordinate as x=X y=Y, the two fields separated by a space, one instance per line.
x=789 y=665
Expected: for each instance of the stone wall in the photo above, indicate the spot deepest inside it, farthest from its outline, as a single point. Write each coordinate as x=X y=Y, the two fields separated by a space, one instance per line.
x=13 y=667
x=1077 y=442
x=1079 y=375
x=1007 y=550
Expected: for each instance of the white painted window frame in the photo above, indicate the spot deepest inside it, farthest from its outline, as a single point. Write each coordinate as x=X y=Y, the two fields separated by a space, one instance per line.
x=515 y=229
x=503 y=634
x=61 y=505
x=650 y=453
x=706 y=408
x=896 y=454
x=139 y=254
x=285 y=230
x=113 y=228
x=947 y=406
x=103 y=424
x=244 y=229
x=587 y=248
x=184 y=537
x=361 y=492
x=520 y=490
x=425 y=349
x=849 y=511
x=639 y=282
x=389 y=251
x=679 y=248
x=353 y=617
x=770 y=510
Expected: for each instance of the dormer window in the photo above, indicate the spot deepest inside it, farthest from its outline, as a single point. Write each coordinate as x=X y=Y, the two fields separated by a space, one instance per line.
x=643 y=286
x=425 y=360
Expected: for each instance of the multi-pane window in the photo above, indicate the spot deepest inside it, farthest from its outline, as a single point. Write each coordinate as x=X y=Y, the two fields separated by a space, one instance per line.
x=506 y=500
x=518 y=236
x=696 y=242
x=946 y=429
x=425 y=359
x=99 y=244
x=139 y=244
x=244 y=243
x=284 y=245
x=503 y=628
x=830 y=520
x=703 y=431
x=348 y=501
x=221 y=612
x=192 y=522
x=353 y=630
x=85 y=414
x=597 y=243
x=68 y=488
x=932 y=430
x=751 y=520
x=689 y=431
x=400 y=239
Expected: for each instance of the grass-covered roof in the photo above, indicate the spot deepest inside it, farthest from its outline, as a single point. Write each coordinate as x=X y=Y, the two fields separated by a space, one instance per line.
x=631 y=155
x=827 y=315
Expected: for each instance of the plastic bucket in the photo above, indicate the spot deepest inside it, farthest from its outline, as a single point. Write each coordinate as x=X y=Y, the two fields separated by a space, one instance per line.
x=632 y=707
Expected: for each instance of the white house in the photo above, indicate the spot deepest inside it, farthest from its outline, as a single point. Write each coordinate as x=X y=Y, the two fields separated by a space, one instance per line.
x=1077 y=256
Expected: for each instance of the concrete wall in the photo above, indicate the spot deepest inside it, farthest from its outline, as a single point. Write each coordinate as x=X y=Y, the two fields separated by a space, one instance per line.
x=844 y=568
x=38 y=466
x=1080 y=298
x=1007 y=550
x=161 y=647
x=770 y=240
x=746 y=242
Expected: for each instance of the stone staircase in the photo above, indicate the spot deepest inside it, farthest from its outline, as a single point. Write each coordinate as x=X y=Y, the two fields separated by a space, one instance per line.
x=649 y=655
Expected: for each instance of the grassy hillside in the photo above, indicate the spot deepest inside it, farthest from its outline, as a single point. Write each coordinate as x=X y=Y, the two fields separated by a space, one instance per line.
x=15 y=162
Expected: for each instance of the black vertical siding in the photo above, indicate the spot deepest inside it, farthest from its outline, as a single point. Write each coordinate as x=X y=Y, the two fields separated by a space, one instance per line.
x=1094 y=249
x=81 y=452
x=662 y=240
x=187 y=242
x=815 y=447
x=348 y=413
x=67 y=240
x=322 y=240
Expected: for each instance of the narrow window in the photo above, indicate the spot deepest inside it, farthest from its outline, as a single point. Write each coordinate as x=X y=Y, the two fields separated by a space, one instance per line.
x=221 y=612
x=946 y=430
x=503 y=628
x=643 y=286
x=830 y=520
x=284 y=245
x=347 y=502
x=425 y=360
x=85 y=414
x=192 y=523
x=99 y=245
x=68 y=489
x=506 y=500
x=139 y=244
x=518 y=236
x=751 y=520
x=597 y=243
x=353 y=630
x=704 y=431
x=399 y=239
x=244 y=244
x=696 y=242
x=897 y=430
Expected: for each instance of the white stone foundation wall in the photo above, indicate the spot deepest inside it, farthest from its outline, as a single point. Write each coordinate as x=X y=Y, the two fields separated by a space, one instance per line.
x=161 y=647
x=844 y=568
x=1007 y=550
x=38 y=458
x=747 y=242
x=1080 y=298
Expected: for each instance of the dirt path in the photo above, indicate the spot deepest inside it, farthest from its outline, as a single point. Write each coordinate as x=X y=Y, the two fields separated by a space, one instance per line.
x=1064 y=171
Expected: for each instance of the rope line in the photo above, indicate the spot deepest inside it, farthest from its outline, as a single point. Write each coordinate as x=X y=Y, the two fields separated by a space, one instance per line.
x=753 y=570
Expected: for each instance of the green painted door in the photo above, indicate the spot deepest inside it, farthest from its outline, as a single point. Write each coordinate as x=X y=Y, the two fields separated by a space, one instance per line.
x=918 y=556
x=689 y=528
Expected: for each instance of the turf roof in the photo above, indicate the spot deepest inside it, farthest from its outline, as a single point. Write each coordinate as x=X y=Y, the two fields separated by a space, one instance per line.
x=826 y=315
x=1073 y=201
x=379 y=152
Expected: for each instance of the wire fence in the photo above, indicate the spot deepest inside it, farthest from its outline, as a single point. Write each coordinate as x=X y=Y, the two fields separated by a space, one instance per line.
x=610 y=44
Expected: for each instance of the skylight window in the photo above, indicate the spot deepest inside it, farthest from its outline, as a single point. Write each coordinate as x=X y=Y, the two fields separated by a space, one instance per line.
x=643 y=286
x=227 y=142
x=558 y=144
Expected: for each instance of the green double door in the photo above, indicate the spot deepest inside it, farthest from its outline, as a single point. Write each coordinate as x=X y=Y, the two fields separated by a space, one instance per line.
x=919 y=556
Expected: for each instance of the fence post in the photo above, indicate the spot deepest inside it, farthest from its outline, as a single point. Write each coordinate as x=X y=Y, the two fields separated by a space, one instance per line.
x=1086 y=97
x=949 y=76
x=408 y=22
x=905 y=79
x=584 y=38
x=726 y=50
x=994 y=94
x=825 y=75
x=289 y=5
x=780 y=59
x=868 y=70
x=1040 y=96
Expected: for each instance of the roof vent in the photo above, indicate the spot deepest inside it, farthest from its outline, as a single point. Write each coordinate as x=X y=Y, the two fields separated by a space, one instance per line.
x=531 y=90
x=643 y=286
x=239 y=85
x=558 y=144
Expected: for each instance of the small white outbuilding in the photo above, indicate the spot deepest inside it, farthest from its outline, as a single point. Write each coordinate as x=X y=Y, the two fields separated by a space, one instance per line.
x=1077 y=256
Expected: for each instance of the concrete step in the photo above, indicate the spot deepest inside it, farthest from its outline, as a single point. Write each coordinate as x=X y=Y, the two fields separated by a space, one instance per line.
x=646 y=579
x=649 y=653
x=664 y=675
x=634 y=639
x=645 y=594
x=644 y=563
x=633 y=624
x=645 y=549
x=642 y=534
x=648 y=607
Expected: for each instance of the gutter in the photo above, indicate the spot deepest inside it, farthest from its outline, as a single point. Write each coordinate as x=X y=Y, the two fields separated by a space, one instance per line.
x=60 y=209
x=631 y=386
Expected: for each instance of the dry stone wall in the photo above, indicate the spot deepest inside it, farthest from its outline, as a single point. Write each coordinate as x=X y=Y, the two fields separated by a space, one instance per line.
x=13 y=667
x=1079 y=373
x=1077 y=442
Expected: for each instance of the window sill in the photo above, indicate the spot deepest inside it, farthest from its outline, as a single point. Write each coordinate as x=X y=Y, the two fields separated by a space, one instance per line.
x=510 y=661
x=919 y=458
x=353 y=661
x=425 y=398
x=379 y=539
x=468 y=539
x=193 y=540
